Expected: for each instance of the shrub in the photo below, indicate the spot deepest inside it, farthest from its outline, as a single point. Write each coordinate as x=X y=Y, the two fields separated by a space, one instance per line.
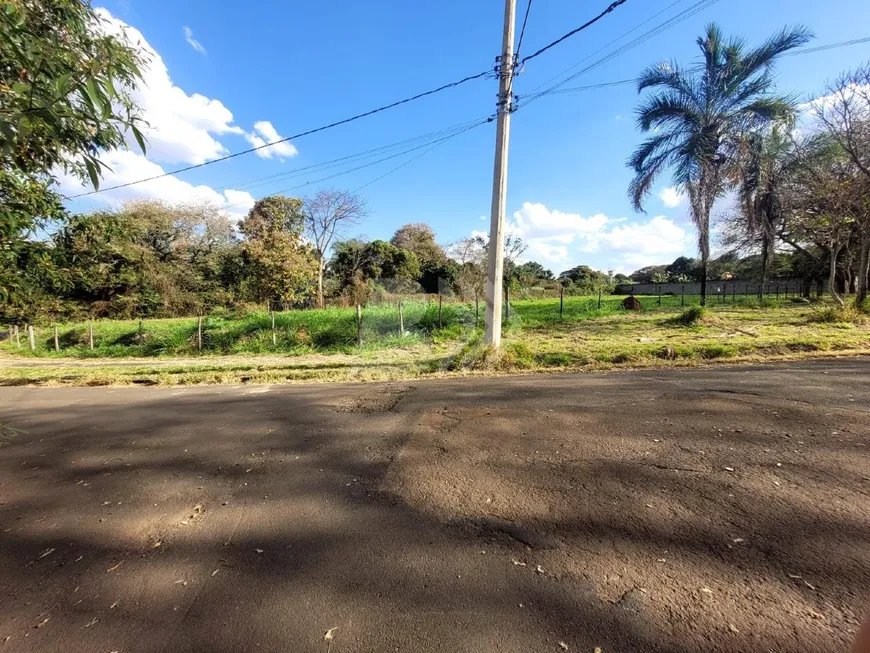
x=716 y=351
x=691 y=316
x=836 y=315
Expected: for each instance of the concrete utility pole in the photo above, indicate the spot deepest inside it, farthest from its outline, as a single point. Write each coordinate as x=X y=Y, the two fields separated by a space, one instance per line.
x=495 y=267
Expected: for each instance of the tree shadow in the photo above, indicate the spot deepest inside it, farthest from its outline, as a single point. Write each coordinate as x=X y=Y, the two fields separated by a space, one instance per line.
x=377 y=522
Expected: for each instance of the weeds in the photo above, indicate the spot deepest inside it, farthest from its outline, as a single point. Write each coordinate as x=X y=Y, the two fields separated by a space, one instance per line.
x=691 y=316
x=837 y=315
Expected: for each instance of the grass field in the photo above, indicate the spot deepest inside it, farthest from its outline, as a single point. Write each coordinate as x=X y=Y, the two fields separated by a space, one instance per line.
x=320 y=345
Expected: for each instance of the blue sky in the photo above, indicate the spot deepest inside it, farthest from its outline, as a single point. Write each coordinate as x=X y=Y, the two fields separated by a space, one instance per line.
x=225 y=75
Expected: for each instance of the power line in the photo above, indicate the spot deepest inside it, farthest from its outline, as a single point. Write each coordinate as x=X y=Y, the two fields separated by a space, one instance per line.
x=611 y=7
x=309 y=169
x=433 y=145
x=616 y=40
x=655 y=31
x=422 y=154
x=831 y=46
x=468 y=126
x=623 y=82
x=284 y=140
x=523 y=30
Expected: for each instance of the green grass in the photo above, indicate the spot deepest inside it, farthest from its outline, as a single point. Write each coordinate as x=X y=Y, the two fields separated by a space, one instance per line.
x=320 y=345
x=330 y=330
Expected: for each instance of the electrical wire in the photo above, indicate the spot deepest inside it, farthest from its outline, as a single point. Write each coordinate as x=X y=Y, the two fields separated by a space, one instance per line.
x=295 y=136
x=431 y=145
x=793 y=53
x=655 y=31
x=613 y=5
x=412 y=159
x=523 y=30
x=614 y=41
x=316 y=167
x=830 y=46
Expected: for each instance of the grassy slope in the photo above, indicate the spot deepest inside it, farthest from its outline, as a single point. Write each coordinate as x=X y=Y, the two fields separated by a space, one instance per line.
x=320 y=344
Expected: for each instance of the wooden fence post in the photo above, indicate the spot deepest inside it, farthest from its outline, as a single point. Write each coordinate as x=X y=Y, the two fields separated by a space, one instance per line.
x=358 y=325
x=401 y=319
x=599 y=299
x=274 y=337
x=141 y=329
x=91 y=333
x=561 y=300
x=199 y=332
x=476 y=309
x=682 y=295
x=17 y=336
x=32 y=338
x=507 y=302
x=660 y=295
x=777 y=292
x=440 y=323
x=56 y=341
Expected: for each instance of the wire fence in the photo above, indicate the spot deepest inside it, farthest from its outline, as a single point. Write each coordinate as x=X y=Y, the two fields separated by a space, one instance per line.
x=393 y=321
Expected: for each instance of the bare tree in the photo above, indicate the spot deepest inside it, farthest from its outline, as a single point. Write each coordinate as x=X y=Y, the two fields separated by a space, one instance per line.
x=470 y=254
x=845 y=113
x=327 y=216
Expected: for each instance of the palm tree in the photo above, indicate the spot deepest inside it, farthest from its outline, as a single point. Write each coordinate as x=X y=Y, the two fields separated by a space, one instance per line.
x=698 y=115
x=771 y=164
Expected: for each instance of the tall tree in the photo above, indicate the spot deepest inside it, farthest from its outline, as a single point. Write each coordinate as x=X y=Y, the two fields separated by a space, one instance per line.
x=772 y=162
x=698 y=115
x=470 y=256
x=282 y=267
x=328 y=215
x=64 y=97
x=845 y=114
x=419 y=238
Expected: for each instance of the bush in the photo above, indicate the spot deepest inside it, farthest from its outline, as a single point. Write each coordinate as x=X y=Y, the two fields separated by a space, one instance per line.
x=836 y=315
x=716 y=351
x=691 y=316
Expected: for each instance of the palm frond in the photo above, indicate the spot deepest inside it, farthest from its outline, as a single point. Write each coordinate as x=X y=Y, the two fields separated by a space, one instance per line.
x=764 y=56
x=668 y=109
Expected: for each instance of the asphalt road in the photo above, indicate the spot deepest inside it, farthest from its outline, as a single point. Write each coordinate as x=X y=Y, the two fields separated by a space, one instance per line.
x=721 y=509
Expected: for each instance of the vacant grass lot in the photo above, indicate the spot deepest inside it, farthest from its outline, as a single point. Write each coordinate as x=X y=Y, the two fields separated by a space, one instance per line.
x=321 y=345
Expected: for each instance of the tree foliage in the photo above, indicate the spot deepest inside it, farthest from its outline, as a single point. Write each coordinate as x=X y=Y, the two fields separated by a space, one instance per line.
x=64 y=96
x=698 y=116
x=280 y=266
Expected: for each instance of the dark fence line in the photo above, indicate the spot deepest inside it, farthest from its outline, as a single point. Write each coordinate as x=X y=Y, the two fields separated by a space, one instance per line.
x=719 y=287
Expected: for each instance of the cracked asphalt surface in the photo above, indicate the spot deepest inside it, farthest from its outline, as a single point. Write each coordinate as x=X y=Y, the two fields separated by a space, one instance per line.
x=722 y=509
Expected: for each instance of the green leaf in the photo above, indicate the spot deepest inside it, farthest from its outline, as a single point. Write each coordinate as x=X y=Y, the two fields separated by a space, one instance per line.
x=94 y=94
x=93 y=172
x=140 y=139
x=61 y=82
x=10 y=8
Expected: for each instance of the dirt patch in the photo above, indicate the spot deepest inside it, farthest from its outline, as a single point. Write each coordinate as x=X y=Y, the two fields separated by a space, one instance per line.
x=385 y=399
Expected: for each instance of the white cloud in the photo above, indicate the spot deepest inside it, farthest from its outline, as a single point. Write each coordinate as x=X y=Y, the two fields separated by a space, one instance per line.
x=129 y=166
x=858 y=94
x=562 y=239
x=265 y=133
x=180 y=128
x=658 y=236
x=671 y=197
x=196 y=45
